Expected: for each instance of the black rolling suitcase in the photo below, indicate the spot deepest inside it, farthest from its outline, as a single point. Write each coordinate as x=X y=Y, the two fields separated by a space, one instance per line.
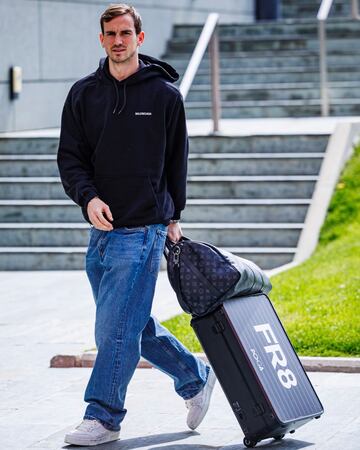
x=257 y=368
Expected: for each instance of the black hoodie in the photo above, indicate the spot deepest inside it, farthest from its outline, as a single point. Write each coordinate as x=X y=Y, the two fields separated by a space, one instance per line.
x=126 y=142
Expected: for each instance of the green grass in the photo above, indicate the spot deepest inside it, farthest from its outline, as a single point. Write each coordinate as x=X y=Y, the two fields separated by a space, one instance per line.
x=319 y=301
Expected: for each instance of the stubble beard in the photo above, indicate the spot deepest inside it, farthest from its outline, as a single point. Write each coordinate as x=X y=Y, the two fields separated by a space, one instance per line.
x=119 y=60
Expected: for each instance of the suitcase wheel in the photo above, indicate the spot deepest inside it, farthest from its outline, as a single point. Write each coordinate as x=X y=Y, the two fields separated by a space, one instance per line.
x=279 y=437
x=249 y=442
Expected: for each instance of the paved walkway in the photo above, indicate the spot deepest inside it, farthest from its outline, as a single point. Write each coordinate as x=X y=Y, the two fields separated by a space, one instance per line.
x=47 y=313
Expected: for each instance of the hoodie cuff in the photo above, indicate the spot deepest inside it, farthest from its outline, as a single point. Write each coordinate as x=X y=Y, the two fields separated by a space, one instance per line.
x=176 y=215
x=88 y=197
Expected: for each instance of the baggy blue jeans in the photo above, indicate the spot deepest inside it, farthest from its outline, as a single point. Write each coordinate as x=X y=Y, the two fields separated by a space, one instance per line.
x=122 y=266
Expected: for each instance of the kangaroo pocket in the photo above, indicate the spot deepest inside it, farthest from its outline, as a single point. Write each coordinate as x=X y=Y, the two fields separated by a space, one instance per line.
x=131 y=199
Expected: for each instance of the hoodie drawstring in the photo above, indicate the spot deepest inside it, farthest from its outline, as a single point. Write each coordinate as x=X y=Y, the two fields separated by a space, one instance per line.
x=124 y=102
x=117 y=98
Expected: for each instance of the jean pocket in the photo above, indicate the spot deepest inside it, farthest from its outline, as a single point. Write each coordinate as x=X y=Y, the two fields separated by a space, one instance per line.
x=157 y=251
x=162 y=233
x=94 y=236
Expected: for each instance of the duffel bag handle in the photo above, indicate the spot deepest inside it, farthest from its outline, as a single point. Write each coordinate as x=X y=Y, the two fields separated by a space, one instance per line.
x=170 y=244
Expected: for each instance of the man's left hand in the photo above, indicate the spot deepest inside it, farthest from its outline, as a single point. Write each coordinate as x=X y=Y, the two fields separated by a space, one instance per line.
x=174 y=232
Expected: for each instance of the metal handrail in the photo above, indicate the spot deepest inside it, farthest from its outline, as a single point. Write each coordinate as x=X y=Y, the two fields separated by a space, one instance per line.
x=322 y=17
x=208 y=37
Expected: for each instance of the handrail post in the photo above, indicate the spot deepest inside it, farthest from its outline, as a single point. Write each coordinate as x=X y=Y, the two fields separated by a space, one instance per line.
x=355 y=9
x=215 y=80
x=322 y=17
x=208 y=37
x=323 y=69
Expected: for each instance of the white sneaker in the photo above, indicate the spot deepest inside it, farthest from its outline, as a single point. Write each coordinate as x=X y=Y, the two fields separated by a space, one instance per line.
x=91 y=432
x=199 y=404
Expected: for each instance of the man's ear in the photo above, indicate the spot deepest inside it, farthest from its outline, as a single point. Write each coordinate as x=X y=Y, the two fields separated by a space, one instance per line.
x=140 y=38
x=101 y=37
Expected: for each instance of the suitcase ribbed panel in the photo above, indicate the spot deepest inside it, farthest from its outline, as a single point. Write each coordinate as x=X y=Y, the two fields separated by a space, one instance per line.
x=276 y=365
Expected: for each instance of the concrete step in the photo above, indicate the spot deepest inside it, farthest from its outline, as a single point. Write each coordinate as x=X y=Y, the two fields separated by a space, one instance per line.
x=44 y=234
x=285 y=42
x=313 y=68
x=218 y=144
x=22 y=211
x=31 y=146
x=221 y=234
x=246 y=210
x=277 y=62
x=31 y=188
x=28 y=165
x=255 y=164
x=245 y=234
x=335 y=28
x=292 y=186
x=281 y=60
x=230 y=210
x=73 y=258
x=199 y=164
x=42 y=258
x=259 y=144
x=238 y=76
x=274 y=108
x=266 y=258
x=273 y=91
x=345 y=28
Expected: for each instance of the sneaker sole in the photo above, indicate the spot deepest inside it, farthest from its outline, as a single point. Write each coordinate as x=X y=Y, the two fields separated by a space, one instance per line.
x=211 y=383
x=73 y=440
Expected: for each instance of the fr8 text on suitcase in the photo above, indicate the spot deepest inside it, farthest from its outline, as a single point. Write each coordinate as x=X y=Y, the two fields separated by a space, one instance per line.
x=286 y=377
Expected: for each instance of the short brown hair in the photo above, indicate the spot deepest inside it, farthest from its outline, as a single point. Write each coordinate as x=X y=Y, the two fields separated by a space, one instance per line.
x=119 y=9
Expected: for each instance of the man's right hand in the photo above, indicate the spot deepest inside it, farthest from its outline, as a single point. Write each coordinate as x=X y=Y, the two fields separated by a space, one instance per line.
x=99 y=214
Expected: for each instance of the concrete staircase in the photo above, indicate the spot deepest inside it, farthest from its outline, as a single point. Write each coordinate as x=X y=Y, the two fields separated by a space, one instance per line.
x=271 y=69
x=247 y=194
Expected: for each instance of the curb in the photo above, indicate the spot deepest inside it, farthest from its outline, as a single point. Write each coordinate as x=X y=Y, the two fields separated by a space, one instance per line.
x=310 y=363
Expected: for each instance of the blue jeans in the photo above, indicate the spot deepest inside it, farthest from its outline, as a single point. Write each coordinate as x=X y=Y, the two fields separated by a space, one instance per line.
x=122 y=266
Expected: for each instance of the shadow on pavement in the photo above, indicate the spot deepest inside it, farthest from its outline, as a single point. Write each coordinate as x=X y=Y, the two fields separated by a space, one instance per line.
x=283 y=445
x=157 y=439
x=144 y=441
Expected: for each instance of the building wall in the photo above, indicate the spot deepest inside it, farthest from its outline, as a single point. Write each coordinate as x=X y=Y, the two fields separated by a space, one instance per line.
x=56 y=42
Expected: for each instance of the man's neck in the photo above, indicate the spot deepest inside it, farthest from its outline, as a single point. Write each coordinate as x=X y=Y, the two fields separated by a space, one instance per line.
x=123 y=70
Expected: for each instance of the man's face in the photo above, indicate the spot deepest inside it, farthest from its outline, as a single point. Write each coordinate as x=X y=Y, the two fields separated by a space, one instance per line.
x=120 y=40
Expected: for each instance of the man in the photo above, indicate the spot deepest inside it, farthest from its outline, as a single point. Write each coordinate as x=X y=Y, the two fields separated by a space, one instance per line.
x=123 y=158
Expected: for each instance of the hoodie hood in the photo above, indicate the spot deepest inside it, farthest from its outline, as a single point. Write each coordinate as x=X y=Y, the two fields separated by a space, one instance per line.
x=149 y=67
